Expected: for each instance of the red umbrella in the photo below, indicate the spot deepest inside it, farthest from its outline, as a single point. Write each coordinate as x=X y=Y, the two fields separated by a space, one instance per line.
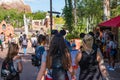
x=113 y=22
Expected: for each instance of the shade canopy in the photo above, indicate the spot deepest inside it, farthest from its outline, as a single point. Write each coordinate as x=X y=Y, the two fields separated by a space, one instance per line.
x=113 y=22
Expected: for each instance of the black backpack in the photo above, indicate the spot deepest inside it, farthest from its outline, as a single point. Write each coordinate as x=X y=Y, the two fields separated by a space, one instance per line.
x=20 y=39
x=8 y=71
x=34 y=44
x=37 y=57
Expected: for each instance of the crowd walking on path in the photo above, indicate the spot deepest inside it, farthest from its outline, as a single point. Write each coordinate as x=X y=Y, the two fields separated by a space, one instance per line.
x=60 y=60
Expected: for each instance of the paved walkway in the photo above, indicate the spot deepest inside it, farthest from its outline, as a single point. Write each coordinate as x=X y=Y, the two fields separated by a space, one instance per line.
x=30 y=72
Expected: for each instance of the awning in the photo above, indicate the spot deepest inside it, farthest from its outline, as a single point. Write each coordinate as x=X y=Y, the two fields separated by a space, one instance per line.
x=113 y=22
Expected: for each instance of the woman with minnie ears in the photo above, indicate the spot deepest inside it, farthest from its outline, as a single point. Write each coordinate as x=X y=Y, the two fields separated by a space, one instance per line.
x=90 y=61
x=57 y=61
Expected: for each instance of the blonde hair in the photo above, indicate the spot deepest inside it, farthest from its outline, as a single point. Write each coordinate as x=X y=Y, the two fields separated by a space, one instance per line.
x=88 y=40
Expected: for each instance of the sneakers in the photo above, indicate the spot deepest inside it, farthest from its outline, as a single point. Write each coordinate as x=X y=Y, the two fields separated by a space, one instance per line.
x=111 y=69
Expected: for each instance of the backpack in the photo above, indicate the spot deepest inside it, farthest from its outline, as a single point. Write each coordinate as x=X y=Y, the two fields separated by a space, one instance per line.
x=36 y=59
x=20 y=39
x=34 y=44
x=8 y=71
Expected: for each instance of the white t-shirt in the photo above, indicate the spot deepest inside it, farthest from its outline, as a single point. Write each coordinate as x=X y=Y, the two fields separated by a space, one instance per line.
x=24 y=42
x=33 y=39
x=2 y=37
x=13 y=40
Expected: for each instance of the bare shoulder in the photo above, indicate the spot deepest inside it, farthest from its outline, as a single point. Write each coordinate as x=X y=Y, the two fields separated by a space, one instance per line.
x=79 y=55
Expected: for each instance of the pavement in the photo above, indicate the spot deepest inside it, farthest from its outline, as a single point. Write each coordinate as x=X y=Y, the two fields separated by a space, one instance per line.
x=30 y=72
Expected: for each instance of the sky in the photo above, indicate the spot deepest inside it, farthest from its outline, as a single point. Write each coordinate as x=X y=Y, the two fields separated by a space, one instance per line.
x=44 y=5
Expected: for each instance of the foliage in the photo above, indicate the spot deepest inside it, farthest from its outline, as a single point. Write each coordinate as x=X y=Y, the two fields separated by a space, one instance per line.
x=89 y=14
x=68 y=16
x=15 y=17
x=115 y=8
x=59 y=20
x=71 y=36
x=39 y=15
x=90 y=10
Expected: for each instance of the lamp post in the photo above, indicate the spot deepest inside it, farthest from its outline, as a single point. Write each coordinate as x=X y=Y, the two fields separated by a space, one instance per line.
x=51 y=16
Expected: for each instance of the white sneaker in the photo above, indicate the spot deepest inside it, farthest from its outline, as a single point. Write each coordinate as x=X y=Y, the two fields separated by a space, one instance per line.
x=111 y=69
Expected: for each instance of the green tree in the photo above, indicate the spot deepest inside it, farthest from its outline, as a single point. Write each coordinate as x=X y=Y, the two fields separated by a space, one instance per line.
x=15 y=17
x=59 y=20
x=89 y=11
x=68 y=15
x=39 y=15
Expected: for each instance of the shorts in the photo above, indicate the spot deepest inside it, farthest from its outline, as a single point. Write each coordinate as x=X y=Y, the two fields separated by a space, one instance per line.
x=48 y=78
x=75 y=67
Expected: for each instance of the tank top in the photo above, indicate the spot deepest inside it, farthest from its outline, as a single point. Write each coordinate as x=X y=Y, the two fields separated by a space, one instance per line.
x=89 y=68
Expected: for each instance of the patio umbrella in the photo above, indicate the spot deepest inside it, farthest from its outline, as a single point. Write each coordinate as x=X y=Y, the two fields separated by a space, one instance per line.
x=113 y=22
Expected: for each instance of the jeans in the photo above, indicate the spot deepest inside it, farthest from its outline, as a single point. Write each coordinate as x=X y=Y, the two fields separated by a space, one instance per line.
x=25 y=50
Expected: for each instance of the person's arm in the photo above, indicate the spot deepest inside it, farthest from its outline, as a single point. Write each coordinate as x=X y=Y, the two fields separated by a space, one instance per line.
x=102 y=66
x=43 y=67
x=70 y=68
x=78 y=58
x=19 y=64
x=42 y=71
x=20 y=67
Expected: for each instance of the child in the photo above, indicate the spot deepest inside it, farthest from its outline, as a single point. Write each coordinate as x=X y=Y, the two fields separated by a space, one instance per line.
x=39 y=50
x=74 y=52
x=14 y=64
x=24 y=44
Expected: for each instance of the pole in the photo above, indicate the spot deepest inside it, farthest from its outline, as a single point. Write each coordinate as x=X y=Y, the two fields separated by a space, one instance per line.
x=25 y=23
x=51 y=16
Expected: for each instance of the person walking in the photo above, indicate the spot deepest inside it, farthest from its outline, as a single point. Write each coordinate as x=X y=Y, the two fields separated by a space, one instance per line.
x=39 y=51
x=33 y=41
x=90 y=61
x=57 y=61
x=20 y=40
x=12 y=64
x=112 y=53
x=24 y=44
x=74 y=53
x=1 y=45
x=2 y=39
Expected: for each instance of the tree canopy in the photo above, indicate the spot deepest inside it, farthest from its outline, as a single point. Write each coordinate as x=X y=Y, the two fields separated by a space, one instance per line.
x=16 y=18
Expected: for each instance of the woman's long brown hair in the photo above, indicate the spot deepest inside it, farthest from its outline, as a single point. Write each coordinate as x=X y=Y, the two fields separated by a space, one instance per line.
x=12 y=51
x=57 y=43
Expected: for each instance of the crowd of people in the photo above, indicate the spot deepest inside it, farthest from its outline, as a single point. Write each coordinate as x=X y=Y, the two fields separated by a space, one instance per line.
x=60 y=58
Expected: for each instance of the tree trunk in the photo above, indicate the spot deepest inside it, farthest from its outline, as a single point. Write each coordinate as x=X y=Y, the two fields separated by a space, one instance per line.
x=75 y=14
x=106 y=5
